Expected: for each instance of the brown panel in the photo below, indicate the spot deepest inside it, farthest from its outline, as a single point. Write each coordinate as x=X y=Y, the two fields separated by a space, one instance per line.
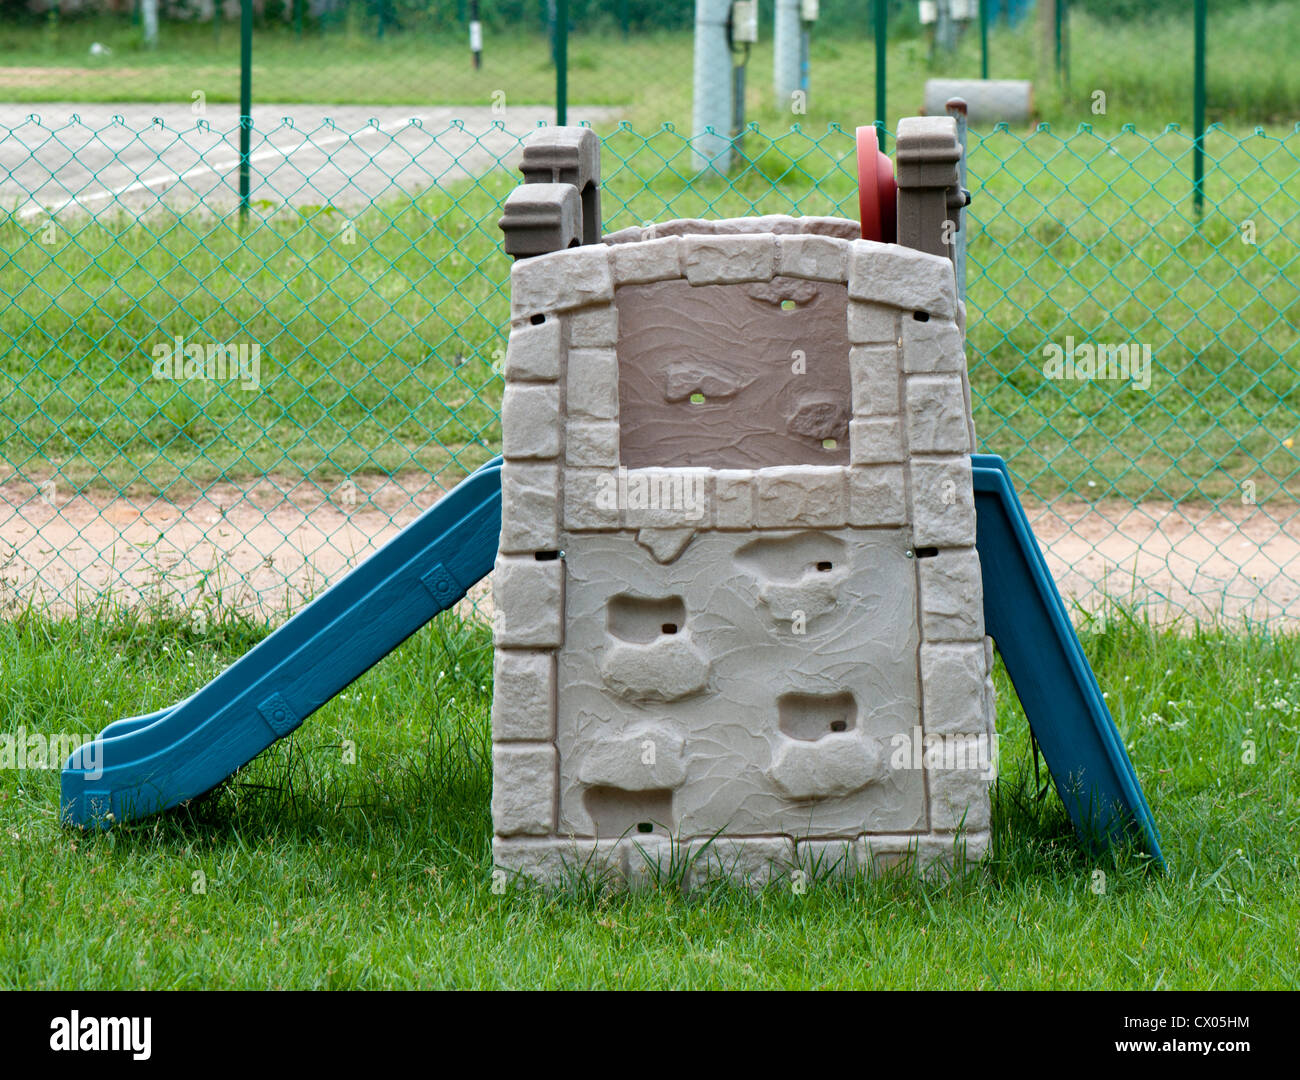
x=735 y=346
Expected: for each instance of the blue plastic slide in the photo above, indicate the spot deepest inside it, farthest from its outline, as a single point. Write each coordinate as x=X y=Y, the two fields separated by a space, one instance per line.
x=149 y=763
x=153 y=762
x=1027 y=620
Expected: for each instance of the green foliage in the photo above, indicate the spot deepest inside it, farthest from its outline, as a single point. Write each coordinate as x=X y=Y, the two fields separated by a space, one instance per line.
x=343 y=60
x=319 y=873
x=1136 y=10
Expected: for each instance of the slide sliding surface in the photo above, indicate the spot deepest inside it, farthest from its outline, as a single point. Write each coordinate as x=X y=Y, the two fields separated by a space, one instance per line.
x=1028 y=621
x=148 y=763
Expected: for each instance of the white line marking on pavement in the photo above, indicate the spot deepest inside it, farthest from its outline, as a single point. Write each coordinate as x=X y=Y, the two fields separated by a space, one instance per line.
x=35 y=209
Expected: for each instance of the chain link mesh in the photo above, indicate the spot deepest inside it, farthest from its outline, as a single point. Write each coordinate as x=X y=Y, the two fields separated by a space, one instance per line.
x=369 y=294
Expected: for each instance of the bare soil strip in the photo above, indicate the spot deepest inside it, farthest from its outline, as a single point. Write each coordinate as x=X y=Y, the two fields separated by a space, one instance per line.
x=268 y=547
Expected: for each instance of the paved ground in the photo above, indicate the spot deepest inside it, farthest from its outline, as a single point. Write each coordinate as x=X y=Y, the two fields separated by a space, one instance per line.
x=82 y=158
x=272 y=543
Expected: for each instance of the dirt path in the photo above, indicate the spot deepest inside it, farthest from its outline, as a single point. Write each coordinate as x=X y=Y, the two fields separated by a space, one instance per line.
x=271 y=545
x=1228 y=561
x=263 y=548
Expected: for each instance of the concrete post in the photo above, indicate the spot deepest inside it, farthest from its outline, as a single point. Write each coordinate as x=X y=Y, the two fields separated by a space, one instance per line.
x=713 y=106
x=149 y=22
x=788 y=47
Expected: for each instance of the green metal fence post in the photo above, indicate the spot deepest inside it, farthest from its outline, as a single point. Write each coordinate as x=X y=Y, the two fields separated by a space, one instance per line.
x=882 y=17
x=984 y=39
x=475 y=36
x=1056 y=37
x=562 y=62
x=1198 y=111
x=1063 y=6
x=245 y=102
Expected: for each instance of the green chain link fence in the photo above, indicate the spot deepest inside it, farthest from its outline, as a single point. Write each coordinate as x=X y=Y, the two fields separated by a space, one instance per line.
x=369 y=295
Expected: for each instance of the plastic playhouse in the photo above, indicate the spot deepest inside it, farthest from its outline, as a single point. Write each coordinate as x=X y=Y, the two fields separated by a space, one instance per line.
x=749 y=570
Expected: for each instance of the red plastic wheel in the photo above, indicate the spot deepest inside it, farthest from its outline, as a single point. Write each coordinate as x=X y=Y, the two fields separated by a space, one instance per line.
x=877 y=190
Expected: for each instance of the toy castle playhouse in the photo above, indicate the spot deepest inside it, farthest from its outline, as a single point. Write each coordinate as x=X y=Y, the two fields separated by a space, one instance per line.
x=738 y=601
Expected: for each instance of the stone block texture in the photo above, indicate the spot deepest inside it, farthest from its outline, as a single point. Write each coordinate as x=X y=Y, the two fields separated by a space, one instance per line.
x=739 y=621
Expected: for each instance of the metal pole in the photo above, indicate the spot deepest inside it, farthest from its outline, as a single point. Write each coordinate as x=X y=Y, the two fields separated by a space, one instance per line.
x=245 y=102
x=562 y=62
x=1056 y=35
x=1063 y=6
x=1198 y=110
x=475 y=36
x=984 y=39
x=882 y=16
x=956 y=108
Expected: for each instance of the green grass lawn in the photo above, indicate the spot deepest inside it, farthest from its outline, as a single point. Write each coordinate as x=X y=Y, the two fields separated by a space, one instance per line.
x=1251 y=77
x=376 y=357
x=380 y=357
x=304 y=871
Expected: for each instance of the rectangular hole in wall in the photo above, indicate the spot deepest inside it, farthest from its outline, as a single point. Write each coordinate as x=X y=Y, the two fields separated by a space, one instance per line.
x=642 y=619
x=809 y=717
x=616 y=812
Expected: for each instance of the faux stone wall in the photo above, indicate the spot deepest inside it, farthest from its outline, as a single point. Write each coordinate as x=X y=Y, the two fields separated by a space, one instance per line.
x=750 y=660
